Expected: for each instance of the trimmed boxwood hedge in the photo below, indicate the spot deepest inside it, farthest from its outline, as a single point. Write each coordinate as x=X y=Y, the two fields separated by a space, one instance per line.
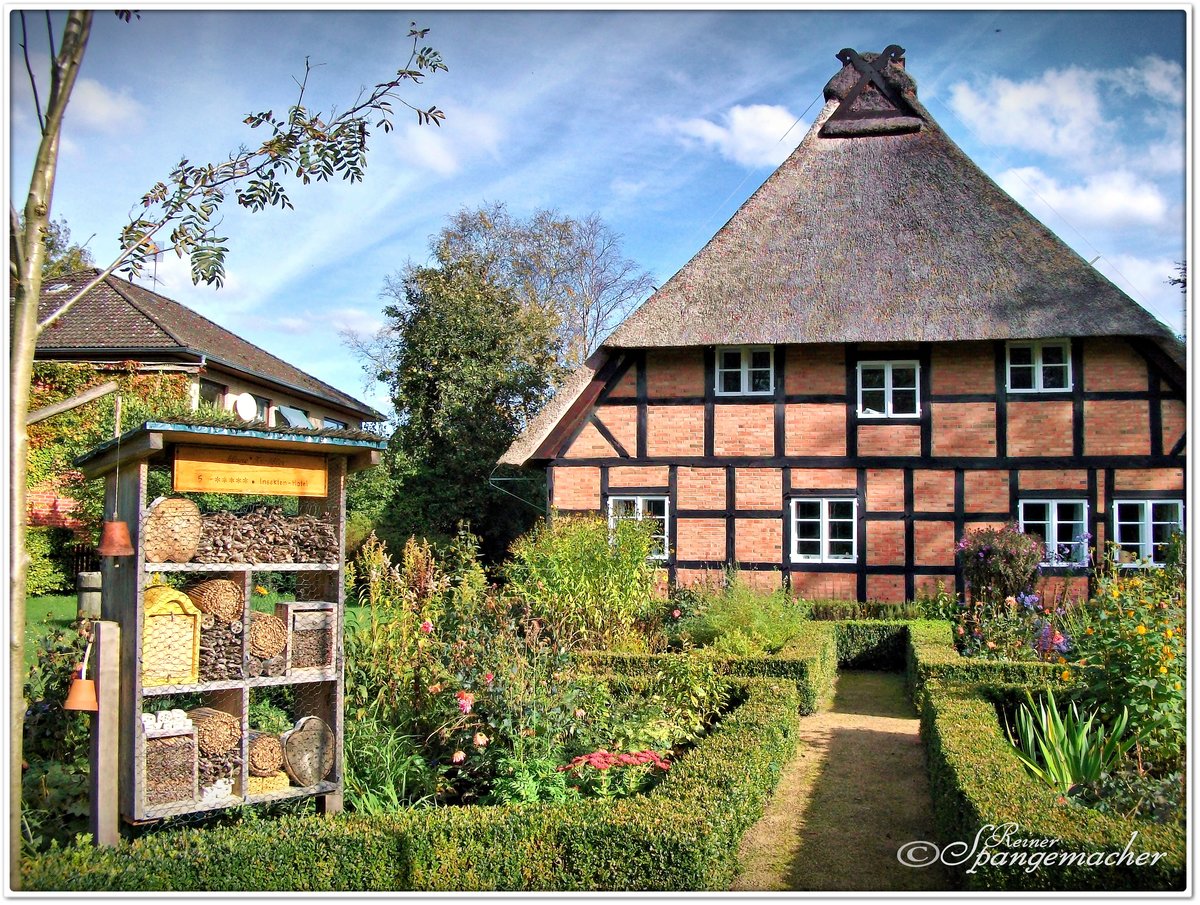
x=871 y=644
x=682 y=836
x=977 y=781
x=810 y=660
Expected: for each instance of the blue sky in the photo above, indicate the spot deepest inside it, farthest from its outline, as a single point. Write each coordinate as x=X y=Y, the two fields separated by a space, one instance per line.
x=663 y=122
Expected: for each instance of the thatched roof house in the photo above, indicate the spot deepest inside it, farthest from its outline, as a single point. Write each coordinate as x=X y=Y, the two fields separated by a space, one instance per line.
x=877 y=228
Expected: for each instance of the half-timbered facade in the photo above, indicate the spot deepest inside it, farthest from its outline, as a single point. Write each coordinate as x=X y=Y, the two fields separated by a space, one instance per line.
x=879 y=351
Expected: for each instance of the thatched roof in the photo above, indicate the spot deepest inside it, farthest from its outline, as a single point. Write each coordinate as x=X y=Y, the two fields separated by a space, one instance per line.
x=881 y=237
x=877 y=228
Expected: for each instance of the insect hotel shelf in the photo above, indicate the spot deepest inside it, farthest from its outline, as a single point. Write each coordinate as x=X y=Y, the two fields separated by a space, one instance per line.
x=202 y=645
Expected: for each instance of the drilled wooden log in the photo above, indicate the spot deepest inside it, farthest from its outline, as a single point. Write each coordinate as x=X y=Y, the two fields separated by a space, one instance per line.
x=264 y=753
x=217 y=732
x=308 y=751
x=268 y=635
x=312 y=647
x=276 y=666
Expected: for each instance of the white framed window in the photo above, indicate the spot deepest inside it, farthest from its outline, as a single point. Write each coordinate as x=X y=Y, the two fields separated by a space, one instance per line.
x=889 y=389
x=823 y=529
x=745 y=371
x=641 y=509
x=1142 y=529
x=1062 y=527
x=1043 y=366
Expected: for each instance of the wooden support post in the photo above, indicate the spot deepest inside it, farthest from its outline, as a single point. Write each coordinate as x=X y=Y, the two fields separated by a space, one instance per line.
x=105 y=816
x=88 y=589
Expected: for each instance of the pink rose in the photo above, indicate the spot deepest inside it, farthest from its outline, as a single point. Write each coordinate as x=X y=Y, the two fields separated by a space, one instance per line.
x=488 y=678
x=465 y=701
x=675 y=614
x=427 y=626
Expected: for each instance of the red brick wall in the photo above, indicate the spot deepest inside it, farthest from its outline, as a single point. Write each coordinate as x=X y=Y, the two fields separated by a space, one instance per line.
x=964 y=428
x=962 y=368
x=824 y=585
x=1073 y=479
x=1040 y=428
x=590 y=444
x=47 y=509
x=824 y=479
x=674 y=372
x=576 y=487
x=768 y=580
x=638 y=476
x=621 y=422
x=889 y=439
x=626 y=387
x=712 y=578
x=885 y=588
x=1174 y=422
x=675 y=430
x=1116 y=428
x=933 y=490
x=1063 y=587
x=1149 y=479
x=700 y=488
x=758 y=488
x=758 y=539
x=927 y=584
x=885 y=490
x=933 y=543
x=815 y=430
x=1111 y=364
x=744 y=430
x=885 y=543
x=985 y=491
x=700 y=538
x=815 y=369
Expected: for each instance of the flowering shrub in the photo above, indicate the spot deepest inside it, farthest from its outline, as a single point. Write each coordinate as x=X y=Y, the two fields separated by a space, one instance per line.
x=1133 y=650
x=603 y=774
x=1024 y=626
x=587 y=585
x=999 y=563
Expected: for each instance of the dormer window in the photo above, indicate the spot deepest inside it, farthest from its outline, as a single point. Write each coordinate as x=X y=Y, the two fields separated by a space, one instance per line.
x=1043 y=366
x=745 y=371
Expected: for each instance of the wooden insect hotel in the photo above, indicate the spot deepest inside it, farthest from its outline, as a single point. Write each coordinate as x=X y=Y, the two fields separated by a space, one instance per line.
x=209 y=626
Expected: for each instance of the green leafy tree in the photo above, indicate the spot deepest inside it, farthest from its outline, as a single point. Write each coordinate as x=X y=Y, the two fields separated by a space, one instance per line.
x=571 y=269
x=62 y=255
x=467 y=366
x=304 y=144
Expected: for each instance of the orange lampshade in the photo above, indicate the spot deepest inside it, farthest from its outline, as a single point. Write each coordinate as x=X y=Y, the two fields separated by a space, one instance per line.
x=82 y=695
x=114 y=540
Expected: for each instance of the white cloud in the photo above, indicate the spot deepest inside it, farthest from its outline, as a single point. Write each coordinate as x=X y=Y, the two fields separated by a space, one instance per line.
x=95 y=107
x=1058 y=113
x=1061 y=113
x=1145 y=279
x=749 y=135
x=1159 y=79
x=1112 y=199
x=463 y=136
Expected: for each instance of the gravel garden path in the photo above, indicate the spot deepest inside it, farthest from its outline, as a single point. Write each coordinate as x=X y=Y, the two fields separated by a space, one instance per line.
x=856 y=791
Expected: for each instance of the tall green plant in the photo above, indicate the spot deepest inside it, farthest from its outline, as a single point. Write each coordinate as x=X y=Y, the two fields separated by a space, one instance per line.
x=1064 y=750
x=585 y=583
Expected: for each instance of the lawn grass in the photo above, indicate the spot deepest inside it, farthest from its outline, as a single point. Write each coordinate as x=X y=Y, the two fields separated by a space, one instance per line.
x=42 y=616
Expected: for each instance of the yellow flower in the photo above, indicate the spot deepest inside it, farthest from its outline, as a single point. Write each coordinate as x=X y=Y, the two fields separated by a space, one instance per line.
x=1169 y=633
x=1178 y=686
x=1162 y=669
x=1090 y=631
x=1066 y=675
x=1141 y=630
x=1130 y=614
x=260 y=590
x=1062 y=660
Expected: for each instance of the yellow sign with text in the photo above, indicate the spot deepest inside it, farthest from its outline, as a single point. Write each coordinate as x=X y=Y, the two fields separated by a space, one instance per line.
x=211 y=469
